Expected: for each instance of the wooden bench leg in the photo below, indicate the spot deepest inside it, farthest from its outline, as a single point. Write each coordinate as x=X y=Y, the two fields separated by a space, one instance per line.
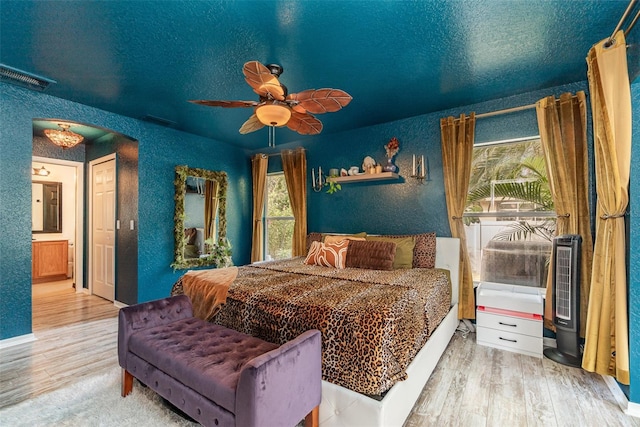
x=313 y=418
x=127 y=383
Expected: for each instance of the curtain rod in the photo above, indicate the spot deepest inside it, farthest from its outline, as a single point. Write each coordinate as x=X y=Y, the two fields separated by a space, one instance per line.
x=609 y=42
x=508 y=110
x=633 y=22
x=279 y=152
x=499 y=112
x=505 y=111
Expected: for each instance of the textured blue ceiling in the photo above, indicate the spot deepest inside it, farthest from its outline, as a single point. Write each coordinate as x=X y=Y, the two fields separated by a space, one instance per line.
x=396 y=58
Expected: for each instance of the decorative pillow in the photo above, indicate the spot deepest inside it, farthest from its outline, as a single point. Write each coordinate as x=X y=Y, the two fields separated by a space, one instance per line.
x=313 y=237
x=371 y=254
x=328 y=254
x=424 y=252
x=344 y=236
x=336 y=239
x=404 y=249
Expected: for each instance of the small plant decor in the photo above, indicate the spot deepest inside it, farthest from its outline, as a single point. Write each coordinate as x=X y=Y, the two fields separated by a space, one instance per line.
x=333 y=186
x=392 y=147
x=219 y=253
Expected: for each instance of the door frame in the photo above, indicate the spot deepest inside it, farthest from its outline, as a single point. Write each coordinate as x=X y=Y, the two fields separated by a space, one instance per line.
x=78 y=262
x=92 y=164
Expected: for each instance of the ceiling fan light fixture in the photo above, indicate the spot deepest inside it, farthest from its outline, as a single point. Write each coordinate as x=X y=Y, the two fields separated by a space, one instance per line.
x=64 y=137
x=273 y=114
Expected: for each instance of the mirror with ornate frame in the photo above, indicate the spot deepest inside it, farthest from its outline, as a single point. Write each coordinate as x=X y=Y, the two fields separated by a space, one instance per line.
x=200 y=215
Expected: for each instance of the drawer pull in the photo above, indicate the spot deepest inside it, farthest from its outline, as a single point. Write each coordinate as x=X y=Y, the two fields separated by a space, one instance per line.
x=508 y=324
x=507 y=339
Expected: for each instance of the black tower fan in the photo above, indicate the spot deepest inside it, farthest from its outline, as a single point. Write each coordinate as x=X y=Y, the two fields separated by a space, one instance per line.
x=566 y=300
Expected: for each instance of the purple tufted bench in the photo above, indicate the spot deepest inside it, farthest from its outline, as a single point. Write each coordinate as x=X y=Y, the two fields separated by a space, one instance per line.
x=216 y=375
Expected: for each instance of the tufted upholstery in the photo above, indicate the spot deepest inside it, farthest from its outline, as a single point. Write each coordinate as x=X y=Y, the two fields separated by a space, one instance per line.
x=148 y=315
x=217 y=375
x=197 y=352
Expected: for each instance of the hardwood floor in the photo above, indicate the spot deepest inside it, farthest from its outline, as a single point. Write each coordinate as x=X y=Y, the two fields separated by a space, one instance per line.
x=471 y=386
x=76 y=337
x=474 y=385
x=57 y=304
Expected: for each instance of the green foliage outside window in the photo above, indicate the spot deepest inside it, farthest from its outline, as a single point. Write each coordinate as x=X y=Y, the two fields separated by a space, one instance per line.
x=515 y=173
x=279 y=219
x=509 y=215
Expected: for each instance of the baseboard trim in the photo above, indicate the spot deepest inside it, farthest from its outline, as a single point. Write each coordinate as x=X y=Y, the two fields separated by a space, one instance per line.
x=120 y=304
x=633 y=409
x=22 y=339
x=627 y=407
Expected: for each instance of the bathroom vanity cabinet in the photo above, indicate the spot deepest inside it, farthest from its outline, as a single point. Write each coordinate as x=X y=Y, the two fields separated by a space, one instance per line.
x=49 y=260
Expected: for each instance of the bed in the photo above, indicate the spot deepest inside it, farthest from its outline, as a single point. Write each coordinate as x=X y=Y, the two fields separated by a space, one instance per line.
x=383 y=331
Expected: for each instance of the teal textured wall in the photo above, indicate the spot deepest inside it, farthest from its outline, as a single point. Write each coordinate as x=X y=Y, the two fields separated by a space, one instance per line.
x=160 y=149
x=634 y=250
x=406 y=206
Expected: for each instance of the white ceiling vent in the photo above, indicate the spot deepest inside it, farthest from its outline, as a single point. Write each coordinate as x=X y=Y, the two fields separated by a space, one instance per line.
x=23 y=79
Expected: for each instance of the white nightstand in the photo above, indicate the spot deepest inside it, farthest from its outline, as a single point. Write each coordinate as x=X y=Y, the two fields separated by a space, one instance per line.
x=509 y=317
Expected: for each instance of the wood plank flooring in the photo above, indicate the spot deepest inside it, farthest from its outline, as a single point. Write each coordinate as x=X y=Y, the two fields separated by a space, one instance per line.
x=474 y=385
x=76 y=337
x=471 y=386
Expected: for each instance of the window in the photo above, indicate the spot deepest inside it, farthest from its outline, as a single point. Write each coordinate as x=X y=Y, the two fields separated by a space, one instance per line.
x=509 y=217
x=278 y=219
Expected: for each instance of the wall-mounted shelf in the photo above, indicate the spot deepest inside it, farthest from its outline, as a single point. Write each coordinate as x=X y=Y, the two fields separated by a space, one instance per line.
x=365 y=177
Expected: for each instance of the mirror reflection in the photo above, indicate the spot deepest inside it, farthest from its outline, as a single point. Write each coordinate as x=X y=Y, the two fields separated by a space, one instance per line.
x=200 y=215
x=46 y=202
x=200 y=223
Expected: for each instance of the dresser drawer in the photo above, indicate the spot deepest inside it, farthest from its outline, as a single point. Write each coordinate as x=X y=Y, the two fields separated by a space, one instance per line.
x=509 y=324
x=518 y=343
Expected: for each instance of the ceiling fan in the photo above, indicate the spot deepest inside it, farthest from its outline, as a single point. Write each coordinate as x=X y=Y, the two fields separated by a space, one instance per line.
x=277 y=107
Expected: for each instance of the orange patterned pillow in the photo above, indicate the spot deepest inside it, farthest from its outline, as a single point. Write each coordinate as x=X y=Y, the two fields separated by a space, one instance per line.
x=328 y=254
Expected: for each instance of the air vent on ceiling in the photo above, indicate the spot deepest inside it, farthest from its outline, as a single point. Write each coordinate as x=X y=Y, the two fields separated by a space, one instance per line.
x=159 y=121
x=23 y=79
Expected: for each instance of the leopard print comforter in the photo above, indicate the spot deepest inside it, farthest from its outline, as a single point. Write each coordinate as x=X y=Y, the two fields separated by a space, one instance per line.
x=372 y=322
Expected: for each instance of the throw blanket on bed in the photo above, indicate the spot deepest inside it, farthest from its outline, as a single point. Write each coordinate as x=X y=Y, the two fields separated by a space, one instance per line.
x=207 y=289
x=372 y=322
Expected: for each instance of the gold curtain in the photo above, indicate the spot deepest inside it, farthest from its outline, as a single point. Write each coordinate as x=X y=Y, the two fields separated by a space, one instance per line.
x=563 y=133
x=457 y=137
x=294 y=165
x=607 y=336
x=210 y=207
x=259 y=164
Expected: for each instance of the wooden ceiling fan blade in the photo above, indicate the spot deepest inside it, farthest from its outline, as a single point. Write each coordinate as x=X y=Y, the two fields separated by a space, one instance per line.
x=262 y=81
x=320 y=101
x=304 y=124
x=225 y=104
x=251 y=125
x=299 y=108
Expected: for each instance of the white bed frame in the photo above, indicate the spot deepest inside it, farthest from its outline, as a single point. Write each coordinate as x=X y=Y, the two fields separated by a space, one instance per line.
x=342 y=407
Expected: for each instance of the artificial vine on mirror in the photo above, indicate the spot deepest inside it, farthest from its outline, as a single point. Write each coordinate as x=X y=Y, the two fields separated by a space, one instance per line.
x=220 y=251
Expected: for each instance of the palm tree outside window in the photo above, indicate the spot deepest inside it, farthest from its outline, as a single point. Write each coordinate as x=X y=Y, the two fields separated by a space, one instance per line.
x=509 y=216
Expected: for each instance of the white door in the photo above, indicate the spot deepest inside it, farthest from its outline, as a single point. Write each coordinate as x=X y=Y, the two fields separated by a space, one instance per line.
x=103 y=236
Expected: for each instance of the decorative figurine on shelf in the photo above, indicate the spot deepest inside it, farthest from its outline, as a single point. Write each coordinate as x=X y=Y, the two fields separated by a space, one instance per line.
x=368 y=163
x=392 y=147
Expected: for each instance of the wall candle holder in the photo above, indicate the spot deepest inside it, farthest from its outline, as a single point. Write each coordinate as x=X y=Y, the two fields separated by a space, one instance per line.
x=420 y=169
x=317 y=184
